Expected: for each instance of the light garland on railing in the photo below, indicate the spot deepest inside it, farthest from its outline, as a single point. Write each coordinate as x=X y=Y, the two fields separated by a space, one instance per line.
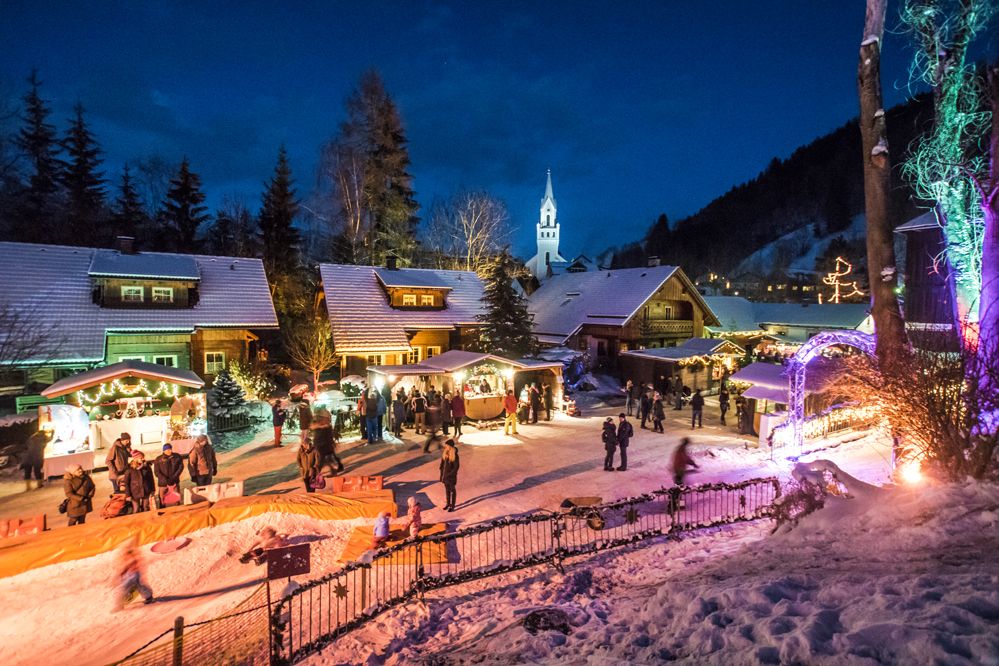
x=834 y=418
x=164 y=390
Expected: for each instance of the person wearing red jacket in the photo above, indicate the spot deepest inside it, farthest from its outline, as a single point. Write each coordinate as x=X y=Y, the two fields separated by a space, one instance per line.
x=510 y=406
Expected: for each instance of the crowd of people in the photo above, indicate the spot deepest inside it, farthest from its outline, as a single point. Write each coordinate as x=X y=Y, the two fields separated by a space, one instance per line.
x=649 y=404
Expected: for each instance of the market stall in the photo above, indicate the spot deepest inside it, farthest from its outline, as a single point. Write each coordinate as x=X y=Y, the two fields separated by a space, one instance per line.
x=155 y=404
x=482 y=378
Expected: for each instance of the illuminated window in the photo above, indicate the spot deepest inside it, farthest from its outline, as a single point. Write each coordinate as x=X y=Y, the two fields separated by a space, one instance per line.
x=374 y=359
x=426 y=299
x=168 y=361
x=433 y=351
x=214 y=362
x=162 y=294
x=132 y=294
x=409 y=299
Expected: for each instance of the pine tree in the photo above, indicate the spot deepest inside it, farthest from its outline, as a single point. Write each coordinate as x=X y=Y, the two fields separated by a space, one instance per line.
x=506 y=324
x=226 y=397
x=183 y=212
x=657 y=241
x=37 y=141
x=279 y=238
x=83 y=182
x=129 y=214
x=375 y=126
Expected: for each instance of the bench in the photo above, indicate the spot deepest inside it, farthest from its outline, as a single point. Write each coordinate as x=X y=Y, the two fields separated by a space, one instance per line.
x=25 y=403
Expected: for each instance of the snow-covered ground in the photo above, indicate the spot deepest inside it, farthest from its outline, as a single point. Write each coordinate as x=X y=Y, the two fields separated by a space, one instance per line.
x=803 y=246
x=500 y=475
x=910 y=578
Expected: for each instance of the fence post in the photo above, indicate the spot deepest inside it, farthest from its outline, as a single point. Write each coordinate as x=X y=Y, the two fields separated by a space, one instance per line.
x=418 y=578
x=364 y=587
x=556 y=531
x=178 y=641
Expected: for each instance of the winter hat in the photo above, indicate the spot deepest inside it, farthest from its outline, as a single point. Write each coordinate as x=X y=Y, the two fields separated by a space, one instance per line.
x=138 y=454
x=167 y=447
x=621 y=415
x=609 y=419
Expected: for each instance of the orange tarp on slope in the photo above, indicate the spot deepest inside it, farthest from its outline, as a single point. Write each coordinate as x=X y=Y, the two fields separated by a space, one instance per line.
x=361 y=538
x=20 y=554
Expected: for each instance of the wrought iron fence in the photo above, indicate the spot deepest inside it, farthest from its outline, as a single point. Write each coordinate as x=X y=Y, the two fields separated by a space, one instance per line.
x=324 y=609
x=225 y=423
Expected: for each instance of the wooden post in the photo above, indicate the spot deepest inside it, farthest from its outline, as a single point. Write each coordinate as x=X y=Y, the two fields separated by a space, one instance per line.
x=364 y=588
x=178 y=641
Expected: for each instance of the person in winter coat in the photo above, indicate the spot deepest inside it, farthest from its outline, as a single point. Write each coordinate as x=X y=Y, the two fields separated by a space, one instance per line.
x=79 y=489
x=723 y=403
x=267 y=538
x=419 y=406
x=449 y=473
x=309 y=463
x=678 y=393
x=304 y=419
x=510 y=407
x=202 y=461
x=457 y=411
x=33 y=461
x=324 y=442
x=629 y=397
x=433 y=421
x=696 y=409
x=138 y=483
x=535 y=398
x=644 y=406
x=609 y=437
x=382 y=530
x=624 y=435
x=546 y=396
x=414 y=517
x=446 y=413
x=398 y=416
x=371 y=416
x=658 y=413
x=381 y=411
x=682 y=462
x=130 y=573
x=278 y=417
x=117 y=460
x=168 y=467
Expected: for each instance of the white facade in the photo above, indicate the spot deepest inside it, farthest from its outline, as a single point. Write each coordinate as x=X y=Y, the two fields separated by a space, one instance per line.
x=547 y=236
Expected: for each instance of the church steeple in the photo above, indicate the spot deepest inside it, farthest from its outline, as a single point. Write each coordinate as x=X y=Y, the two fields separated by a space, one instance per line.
x=548 y=192
x=547 y=236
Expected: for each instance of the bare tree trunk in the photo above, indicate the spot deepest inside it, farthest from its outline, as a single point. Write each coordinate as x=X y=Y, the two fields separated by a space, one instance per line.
x=890 y=328
x=988 y=303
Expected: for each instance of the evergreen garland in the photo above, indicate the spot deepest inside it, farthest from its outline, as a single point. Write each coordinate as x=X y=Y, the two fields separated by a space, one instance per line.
x=507 y=324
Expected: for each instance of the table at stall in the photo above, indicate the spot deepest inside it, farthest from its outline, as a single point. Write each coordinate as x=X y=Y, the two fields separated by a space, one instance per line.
x=57 y=465
x=483 y=407
x=145 y=430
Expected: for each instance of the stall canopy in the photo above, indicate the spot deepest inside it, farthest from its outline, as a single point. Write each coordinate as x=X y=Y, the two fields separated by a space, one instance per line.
x=121 y=370
x=770 y=381
x=456 y=359
x=694 y=348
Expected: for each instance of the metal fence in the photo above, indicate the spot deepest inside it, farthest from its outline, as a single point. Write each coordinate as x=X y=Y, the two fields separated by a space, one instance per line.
x=323 y=609
x=225 y=423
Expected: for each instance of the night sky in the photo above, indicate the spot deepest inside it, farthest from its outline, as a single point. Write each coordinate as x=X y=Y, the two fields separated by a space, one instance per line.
x=638 y=108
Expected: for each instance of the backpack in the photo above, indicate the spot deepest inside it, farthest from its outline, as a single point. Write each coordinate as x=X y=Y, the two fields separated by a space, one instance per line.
x=115 y=506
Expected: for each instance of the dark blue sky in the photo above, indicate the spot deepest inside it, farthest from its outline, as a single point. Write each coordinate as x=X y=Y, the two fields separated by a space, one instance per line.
x=638 y=108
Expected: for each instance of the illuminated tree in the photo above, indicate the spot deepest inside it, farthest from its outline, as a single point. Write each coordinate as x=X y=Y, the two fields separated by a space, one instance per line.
x=843 y=269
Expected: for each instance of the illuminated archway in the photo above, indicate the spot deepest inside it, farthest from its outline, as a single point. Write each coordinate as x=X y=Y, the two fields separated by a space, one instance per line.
x=799 y=362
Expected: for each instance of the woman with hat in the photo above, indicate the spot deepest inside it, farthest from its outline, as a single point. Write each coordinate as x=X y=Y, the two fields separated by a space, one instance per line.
x=138 y=482
x=79 y=489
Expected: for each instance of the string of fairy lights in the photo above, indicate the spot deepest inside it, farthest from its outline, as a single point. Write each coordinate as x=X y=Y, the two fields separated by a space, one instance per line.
x=116 y=388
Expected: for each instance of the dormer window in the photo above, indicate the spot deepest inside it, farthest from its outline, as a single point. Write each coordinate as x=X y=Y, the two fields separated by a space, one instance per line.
x=162 y=294
x=131 y=293
x=426 y=299
x=409 y=299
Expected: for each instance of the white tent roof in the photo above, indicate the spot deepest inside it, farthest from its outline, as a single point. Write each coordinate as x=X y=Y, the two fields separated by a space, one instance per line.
x=121 y=370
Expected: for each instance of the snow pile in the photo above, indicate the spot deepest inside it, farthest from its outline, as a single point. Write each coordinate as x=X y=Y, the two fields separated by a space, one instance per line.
x=910 y=576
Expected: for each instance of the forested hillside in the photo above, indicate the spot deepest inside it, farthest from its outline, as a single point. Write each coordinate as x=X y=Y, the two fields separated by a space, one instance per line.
x=820 y=184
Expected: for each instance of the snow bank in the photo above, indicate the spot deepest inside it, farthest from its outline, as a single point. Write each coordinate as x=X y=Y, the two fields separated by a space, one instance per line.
x=910 y=578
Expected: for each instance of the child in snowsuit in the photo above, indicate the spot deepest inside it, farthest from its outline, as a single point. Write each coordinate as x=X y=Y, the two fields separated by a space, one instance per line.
x=415 y=515
x=130 y=572
x=382 y=530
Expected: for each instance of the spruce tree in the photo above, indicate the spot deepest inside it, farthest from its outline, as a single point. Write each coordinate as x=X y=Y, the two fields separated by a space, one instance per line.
x=129 y=214
x=183 y=212
x=657 y=240
x=83 y=183
x=37 y=141
x=506 y=324
x=279 y=238
x=226 y=397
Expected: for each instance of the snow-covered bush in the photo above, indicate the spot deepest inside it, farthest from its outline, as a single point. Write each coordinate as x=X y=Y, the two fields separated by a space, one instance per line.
x=256 y=384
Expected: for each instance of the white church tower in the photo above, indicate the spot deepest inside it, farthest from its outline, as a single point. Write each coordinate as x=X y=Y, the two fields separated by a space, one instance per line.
x=547 y=229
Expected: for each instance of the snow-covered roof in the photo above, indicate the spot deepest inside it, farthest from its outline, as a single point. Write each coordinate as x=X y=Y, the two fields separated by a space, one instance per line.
x=52 y=283
x=736 y=314
x=410 y=277
x=363 y=321
x=689 y=349
x=112 y=263
x=121 y=370
x=821 y=371
x=456 y=359
x=565 y=302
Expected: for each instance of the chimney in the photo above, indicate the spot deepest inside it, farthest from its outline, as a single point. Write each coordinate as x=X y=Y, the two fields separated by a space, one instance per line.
x=125 y=244
x=653 y=261
x=391 y=262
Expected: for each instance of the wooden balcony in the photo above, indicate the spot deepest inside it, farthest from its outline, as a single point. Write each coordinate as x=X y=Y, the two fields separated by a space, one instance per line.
x=677 y=327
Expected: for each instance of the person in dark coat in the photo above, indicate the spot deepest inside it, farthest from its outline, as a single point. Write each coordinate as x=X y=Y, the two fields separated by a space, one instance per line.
x=79 y=489
x=304 y=419
x=380 y=418
x=419 y=406
x=433 y=421
x=723 y=403
x=624 y=435
x=546 y=394
x=644 y=406
x=117 y=460
x=278 y=416
x=629 y=397
x=609 y=437
x=658 y=413
x=324 y=442
x=138 y=483
x=398 y=416
x=457 y=411
x=449 y=474
x=33 y=460
x=168 y=467
x=534 y=396
x=697 y=409
x=371 y=416
x=203 y=462
x=446 y=413
x=309 y=464
x=678 y=393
